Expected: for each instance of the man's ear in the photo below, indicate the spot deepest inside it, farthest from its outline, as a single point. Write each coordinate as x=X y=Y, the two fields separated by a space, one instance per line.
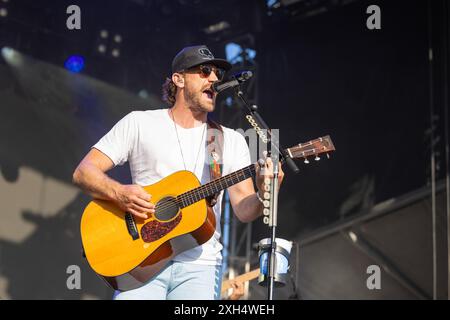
x=178 y=79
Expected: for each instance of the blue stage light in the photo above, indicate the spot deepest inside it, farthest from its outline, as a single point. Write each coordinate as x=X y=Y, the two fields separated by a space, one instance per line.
x=235 y=53
x=74 y=63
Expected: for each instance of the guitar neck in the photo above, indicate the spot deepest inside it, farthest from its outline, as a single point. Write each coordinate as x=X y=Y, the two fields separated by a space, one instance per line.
x=215 y=186
x=242 y=278
x=305 y=150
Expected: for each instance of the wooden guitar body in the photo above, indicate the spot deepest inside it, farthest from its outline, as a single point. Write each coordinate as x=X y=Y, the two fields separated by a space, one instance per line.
x=127 y=259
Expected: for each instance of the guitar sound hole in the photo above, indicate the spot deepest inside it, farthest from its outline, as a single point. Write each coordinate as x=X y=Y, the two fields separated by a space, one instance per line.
x=166 y=209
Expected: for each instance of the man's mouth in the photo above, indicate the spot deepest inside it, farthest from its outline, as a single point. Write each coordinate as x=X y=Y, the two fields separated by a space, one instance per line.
x=209 y=93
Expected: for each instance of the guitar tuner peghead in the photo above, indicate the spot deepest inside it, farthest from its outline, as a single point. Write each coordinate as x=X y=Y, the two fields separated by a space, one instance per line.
x=306 y=161
x=317 y=158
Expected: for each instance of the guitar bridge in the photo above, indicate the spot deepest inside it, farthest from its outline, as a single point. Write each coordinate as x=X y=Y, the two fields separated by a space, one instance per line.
x=131 y=226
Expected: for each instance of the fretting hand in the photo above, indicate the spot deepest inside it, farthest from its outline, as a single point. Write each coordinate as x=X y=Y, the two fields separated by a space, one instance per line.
x=264 y=169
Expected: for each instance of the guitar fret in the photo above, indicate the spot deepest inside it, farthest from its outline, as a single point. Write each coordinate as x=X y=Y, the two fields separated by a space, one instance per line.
x=229 y=181
x=191 y=198
x=250 y=172
x=185 y=200
x=221 y=185
x=215 y=186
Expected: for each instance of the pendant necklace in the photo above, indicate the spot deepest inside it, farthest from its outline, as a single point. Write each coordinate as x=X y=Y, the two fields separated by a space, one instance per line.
x=179 y=143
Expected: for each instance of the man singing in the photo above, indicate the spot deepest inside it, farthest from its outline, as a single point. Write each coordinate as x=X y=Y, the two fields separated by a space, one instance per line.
x=157 y=143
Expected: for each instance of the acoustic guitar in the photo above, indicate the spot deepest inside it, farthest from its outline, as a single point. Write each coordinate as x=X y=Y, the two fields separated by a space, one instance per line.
x=127 y=251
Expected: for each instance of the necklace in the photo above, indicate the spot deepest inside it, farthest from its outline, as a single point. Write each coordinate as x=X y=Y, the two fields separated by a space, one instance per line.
x=179 y=143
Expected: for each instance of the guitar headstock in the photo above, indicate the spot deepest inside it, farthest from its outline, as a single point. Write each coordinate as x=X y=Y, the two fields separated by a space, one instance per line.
x=312 y=148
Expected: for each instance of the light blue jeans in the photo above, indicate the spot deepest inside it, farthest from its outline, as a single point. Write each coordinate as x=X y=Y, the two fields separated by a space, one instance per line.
x=179 y=281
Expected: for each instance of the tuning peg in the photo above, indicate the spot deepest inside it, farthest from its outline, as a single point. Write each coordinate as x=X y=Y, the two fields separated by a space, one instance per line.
x=306 y=161
x=317 y=158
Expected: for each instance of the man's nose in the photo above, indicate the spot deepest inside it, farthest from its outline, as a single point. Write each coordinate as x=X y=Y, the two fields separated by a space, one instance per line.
x=213 y=77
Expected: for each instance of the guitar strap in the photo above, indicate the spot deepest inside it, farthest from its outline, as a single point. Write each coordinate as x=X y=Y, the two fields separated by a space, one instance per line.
x=214 y=148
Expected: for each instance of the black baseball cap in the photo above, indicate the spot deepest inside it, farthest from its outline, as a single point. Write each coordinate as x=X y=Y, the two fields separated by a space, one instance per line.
x=196 y=55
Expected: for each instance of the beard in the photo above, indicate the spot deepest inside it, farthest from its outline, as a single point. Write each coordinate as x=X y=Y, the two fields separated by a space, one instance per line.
x=194 y=99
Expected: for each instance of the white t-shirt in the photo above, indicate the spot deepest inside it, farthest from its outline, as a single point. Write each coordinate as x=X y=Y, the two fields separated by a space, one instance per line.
x=148 y=141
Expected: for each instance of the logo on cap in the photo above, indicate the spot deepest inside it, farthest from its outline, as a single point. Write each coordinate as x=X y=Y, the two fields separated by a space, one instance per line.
x=205 y=53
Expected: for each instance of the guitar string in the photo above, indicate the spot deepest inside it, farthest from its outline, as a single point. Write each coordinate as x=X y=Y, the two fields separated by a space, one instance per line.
x=210 y=186
x=192 y=194
x=190 y=197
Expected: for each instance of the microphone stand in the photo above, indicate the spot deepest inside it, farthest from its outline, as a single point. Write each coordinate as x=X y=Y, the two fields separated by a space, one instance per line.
x=275 y=153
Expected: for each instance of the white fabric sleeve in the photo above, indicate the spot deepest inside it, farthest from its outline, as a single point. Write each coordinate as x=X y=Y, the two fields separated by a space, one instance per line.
x=118 y=143
x=241 y=153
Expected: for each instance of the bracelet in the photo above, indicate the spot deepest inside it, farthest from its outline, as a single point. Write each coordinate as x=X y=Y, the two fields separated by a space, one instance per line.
x=259 y=197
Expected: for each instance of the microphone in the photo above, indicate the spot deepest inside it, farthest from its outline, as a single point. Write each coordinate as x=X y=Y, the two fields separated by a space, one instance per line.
x=238 y=78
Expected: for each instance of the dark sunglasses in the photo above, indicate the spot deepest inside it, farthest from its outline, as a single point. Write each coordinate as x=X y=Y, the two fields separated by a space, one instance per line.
x=205 y=71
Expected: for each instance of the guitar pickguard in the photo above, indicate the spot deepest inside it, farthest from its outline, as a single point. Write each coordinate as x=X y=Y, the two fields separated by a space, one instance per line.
x=154 y=230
